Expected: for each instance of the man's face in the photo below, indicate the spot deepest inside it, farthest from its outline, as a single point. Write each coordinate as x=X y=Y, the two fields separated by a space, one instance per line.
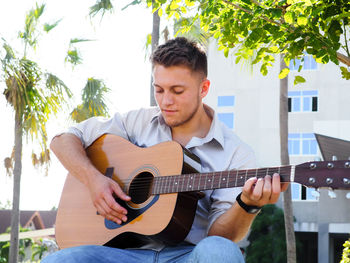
x=178 y=92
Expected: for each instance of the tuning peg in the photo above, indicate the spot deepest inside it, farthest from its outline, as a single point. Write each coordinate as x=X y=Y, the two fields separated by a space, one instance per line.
x=348 y=195
x=334 y=158
x=315 y=193
x=332 y=194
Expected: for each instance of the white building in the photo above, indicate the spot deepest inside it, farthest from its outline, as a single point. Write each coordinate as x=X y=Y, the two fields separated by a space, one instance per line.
x=248 y=102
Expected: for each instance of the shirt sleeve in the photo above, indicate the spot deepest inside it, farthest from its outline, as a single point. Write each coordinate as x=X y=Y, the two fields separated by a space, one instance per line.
x=222 y=199
x=91 y=129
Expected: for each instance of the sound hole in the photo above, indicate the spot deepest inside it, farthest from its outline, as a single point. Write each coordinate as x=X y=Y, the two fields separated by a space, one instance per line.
x=140 y=187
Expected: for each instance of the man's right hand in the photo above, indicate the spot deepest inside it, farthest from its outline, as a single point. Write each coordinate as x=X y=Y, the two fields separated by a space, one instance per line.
x=71 y=153
x=102 y=191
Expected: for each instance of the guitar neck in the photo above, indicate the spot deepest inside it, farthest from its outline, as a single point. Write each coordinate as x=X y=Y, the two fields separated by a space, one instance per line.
x=215 y=180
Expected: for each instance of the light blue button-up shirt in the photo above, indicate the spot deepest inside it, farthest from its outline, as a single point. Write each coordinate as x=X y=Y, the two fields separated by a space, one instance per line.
x=220 y=150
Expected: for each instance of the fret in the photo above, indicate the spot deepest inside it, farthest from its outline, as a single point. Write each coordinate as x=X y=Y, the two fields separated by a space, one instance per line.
x=190 y=183
x=245 y=177
x=267 y=171
x=166 y=184
x=236 y=178
x=182 y=183
x=196 y=182
x=205 y=182
x=220 y=180
x=165 y=180
x=177 y=183
x=200 y=182
x=212 y=181
x=173 y=184
x=160 y=185
x=155 y=185
x=227 y=176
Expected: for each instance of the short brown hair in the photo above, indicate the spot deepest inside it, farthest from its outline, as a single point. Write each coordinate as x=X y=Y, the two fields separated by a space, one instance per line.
x=181 y=52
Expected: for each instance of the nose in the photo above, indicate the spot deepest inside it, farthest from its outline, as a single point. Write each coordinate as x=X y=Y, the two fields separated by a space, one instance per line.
x=168 y=98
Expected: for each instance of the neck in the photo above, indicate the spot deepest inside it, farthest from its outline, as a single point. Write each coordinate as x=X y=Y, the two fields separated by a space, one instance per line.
x=198 y=126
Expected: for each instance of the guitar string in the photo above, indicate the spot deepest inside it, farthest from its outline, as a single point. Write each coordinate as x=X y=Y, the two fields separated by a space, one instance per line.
x=234 y=173
x=141 y=184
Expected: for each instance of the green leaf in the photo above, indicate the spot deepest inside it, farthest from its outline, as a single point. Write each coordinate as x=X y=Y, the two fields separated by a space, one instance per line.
x=302 y=21
x=160 y=12
x=189 y=3
x=284 y=73
x=288 y=17
x=299 y=79
x=345 y=73
x=226 y=51
x=274 y=49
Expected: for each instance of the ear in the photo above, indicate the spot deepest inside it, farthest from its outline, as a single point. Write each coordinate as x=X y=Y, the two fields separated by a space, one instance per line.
x=204 y=88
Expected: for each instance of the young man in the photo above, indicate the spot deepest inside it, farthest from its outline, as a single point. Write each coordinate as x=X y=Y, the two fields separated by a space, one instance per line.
x=180 y=83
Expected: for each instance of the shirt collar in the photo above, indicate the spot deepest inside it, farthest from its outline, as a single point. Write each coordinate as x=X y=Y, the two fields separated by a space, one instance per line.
x=215 y=132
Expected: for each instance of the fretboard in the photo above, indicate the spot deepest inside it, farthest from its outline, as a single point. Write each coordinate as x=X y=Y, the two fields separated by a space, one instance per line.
x=214 y=180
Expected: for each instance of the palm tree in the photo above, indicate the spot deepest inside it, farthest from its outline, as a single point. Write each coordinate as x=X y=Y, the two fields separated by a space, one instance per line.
x=287 y=199
x=93 y=101
x=34 y=95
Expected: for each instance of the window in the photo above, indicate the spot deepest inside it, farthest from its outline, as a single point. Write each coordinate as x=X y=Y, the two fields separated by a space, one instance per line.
x=303 y=101
x=226 y=101
x=302 y=144
x=300 y=192
x=308 y=62
x=227 y=118
x=225 y=110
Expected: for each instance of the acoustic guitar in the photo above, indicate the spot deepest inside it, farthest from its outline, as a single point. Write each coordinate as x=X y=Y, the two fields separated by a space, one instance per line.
x=164 y=191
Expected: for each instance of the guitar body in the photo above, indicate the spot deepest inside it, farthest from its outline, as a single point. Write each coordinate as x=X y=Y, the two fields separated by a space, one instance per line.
x=166 y=217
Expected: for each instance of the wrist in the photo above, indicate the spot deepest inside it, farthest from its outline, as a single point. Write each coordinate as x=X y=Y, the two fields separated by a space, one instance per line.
x=251 y=209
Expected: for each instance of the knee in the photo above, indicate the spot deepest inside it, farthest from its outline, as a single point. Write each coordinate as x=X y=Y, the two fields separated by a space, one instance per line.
x=68 y=255
x=217 y=249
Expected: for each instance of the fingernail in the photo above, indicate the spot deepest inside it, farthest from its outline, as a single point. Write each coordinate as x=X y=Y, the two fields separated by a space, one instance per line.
x=124 y=218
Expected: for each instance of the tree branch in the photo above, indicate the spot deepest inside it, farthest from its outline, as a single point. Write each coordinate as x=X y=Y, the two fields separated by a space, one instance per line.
x=344 y=59
x=346 y=41
x=250 y=12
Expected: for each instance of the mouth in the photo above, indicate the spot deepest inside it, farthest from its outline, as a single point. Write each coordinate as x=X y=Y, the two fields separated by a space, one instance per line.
x=169 y=112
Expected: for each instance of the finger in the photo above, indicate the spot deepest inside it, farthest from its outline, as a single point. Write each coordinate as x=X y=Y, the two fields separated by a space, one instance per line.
x=119 y=192
x=266 y=191
x=116 y=208
x=258 y=189
x=110 y=214
x=276 y=188
x=249 y=185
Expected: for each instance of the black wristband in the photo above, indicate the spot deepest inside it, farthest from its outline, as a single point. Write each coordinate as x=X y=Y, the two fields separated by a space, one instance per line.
x=248 y=208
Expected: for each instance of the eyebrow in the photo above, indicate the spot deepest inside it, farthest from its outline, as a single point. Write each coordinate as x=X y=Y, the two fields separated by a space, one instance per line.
x=171 y=87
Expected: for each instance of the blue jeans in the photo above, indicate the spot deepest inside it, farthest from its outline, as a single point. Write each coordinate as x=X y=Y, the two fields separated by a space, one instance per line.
x=209 y=250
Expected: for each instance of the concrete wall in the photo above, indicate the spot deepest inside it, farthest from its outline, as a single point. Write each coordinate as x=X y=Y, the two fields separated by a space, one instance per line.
x=257 y=121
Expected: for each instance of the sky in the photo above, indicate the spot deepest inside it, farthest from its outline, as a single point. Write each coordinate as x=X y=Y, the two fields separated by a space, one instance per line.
x=117 y=55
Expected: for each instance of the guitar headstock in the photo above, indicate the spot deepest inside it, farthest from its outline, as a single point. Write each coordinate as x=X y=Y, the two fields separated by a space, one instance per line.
x=330 y=174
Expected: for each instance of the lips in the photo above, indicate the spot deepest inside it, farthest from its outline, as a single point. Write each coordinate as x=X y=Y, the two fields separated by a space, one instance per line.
x=169 y=111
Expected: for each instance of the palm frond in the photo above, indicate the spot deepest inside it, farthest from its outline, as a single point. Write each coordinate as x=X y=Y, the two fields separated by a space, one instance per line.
x=48 y=27
x=78 y=40
x=94 y=102
x=39 y=10
x=10 y=54
x=135 y=2
x=31 y=20
x=190 y=28
x=101 y=6
x=73 y=57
